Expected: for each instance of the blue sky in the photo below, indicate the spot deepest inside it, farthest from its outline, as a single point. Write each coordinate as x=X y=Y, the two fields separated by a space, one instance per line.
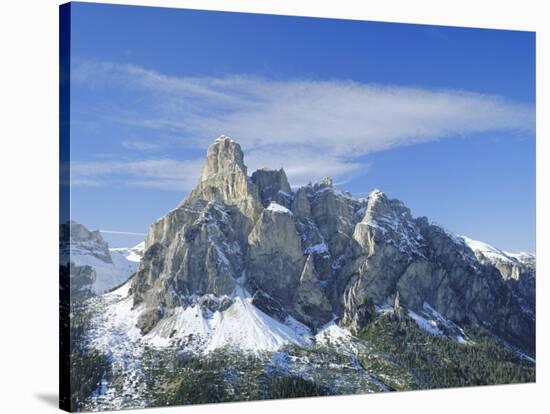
x=441 y=118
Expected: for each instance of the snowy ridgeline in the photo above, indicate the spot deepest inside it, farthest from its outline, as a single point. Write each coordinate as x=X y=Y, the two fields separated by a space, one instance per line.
x=492 y=253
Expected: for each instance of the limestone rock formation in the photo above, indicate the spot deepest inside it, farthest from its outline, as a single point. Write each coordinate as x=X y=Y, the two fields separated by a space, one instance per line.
x=76 y=238
x=275 y=259
x=312 y=303
x=315 y=254
x=273 y=186
x=426 y=264
x=94 y=268
x=517 y=270
x=224 y=178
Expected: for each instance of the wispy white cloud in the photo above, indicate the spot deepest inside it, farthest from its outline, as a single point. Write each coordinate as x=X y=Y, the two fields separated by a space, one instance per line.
x=166 y=174
x=311 y=128
x=304 y=164
x=140 y=145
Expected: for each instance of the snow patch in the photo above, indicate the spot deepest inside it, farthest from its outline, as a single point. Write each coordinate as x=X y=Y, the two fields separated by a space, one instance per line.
x=488 y=251
x=428 y=325
x=241 y=326
x=383 y=309
x=332 y=333
x=224 y=138
x=319 y=248
x=278 y=208
x=134 y=254
x=435 y=323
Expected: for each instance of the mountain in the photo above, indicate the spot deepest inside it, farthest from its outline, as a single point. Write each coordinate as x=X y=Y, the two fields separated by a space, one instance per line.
x=311 y=286
x=311 y=256
x=95 y=268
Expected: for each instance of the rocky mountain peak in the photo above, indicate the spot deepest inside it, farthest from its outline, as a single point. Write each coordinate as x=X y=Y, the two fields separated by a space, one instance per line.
x=377 y=199
x=224 y=179
x=375 y=193
x=79 y=233
x=224 y=156
x=389 y=214
x=93 y=266
x=272 y=186
x=75 y=237
x=326 y=182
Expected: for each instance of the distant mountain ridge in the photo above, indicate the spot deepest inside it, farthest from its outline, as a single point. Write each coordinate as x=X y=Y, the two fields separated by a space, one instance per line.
x=99 y=268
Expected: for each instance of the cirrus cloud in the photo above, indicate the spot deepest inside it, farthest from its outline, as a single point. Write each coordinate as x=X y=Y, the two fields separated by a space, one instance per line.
x=164 y=174
x=309 y=127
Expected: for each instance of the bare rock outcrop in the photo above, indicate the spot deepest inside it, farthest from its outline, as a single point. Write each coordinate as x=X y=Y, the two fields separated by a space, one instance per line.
x=275 y=258
x=273 y=186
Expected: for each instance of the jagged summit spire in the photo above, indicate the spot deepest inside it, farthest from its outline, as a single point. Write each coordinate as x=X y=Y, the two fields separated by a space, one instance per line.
x=377 y=201
x=224 y=178
x=376 y=193
x=224 y=137
x=224 y=156
x=327 y=182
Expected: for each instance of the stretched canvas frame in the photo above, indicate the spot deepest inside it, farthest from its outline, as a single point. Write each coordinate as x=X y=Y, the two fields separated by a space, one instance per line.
x=314 y=291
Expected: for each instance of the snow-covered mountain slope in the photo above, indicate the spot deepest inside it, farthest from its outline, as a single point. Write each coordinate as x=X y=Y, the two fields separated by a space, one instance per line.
x=124 y=262
x=87 y=250
x=132 y=254
x=510 y=265
x=240 y=326
x=195 y=327
x=236 y=324
x=492 y=253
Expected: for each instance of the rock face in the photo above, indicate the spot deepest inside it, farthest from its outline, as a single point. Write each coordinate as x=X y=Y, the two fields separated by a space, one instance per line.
x=275 y=258
x=517 y=270
x=316 y=254
x=93 y=267
x=82 y=279
x=428 y=265
x=75 y=237
x=224 y=179
x=312 y=303
x=273 y=186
